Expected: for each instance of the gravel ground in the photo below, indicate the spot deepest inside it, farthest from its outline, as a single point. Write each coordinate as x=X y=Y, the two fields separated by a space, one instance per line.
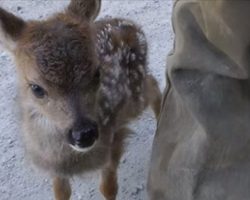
x=18 y=181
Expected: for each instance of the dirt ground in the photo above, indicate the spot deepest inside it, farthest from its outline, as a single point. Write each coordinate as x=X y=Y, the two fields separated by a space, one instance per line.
x=18 y=181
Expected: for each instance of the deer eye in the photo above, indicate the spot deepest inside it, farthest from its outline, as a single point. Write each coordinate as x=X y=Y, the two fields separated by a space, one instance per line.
x=37 y=91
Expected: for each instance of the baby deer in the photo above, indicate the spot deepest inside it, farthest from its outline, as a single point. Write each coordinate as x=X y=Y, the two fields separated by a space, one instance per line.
x=80 y=82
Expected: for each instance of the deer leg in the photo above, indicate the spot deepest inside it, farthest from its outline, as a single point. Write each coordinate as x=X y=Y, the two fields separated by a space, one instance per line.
x=109 y=185
x=154 y=95
x=62 y=189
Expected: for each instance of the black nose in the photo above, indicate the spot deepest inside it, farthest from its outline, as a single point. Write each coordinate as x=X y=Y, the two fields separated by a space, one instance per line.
x=85 y=136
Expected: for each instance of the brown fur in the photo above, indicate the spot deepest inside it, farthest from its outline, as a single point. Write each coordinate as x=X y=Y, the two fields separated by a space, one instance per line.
x=89 y=70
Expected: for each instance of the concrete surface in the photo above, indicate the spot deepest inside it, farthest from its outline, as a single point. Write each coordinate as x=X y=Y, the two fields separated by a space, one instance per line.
x=18 y=181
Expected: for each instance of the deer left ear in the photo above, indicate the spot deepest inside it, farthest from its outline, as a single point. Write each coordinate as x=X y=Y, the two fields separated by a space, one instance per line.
x=11 y=28
x=84 y=9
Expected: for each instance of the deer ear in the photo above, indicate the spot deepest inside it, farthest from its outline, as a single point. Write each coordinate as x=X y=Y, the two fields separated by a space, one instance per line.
x=11 y=28
x=85 y=9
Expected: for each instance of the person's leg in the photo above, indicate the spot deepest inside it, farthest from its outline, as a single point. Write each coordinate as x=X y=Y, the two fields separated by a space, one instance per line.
x=201 y=149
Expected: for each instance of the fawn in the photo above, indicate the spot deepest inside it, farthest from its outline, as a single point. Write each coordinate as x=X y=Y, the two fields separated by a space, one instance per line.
x=81 y=82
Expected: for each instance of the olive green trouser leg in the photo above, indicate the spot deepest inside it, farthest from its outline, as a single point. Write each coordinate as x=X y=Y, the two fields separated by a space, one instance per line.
x=201 y=150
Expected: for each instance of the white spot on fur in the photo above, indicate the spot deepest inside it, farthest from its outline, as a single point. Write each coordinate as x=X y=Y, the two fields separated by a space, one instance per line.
x=127 y=71
x=106 y=105
x=109 y=27
x=128 y=91
x=111 y=95
x=142 y=99
x=103 y=33
x=119 y=54
x=105 y=29
x=135 y=75
x=110 y=46
x=100 y=112
x=133 y=57
x=113 y=81
x=105 y=121
x=127 y=58
x=128 y=81
x=107 y=58
x=141 y=37
x=98 y=37
x=141 y=58
x=122 y=43
x=125 y=23
x=120 y=88
x=124 y=51
x=141 y=69
x=117 y=68
x=143 y=51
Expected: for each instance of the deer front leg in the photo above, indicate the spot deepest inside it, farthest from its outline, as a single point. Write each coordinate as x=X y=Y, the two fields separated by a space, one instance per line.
x=109 y=185
x=153 y=95
x=62 y=189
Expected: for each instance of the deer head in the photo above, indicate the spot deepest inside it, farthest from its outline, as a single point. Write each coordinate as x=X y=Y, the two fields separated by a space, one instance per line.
x=57 y=68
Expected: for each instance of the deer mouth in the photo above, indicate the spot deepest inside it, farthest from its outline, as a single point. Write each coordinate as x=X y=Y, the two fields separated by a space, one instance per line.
x=80 y=149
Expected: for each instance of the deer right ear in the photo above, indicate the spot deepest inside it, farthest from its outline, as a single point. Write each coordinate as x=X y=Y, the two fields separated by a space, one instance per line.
x=85 y=9
x=11 y=28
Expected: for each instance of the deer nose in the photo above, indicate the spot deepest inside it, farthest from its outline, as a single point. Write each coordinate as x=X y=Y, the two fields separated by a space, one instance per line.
x=84 y=137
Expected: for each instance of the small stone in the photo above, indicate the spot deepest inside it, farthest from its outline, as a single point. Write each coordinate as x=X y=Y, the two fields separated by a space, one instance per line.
x=10 y=141
x=124 y=160
x=137 y=190
x=19 y=8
